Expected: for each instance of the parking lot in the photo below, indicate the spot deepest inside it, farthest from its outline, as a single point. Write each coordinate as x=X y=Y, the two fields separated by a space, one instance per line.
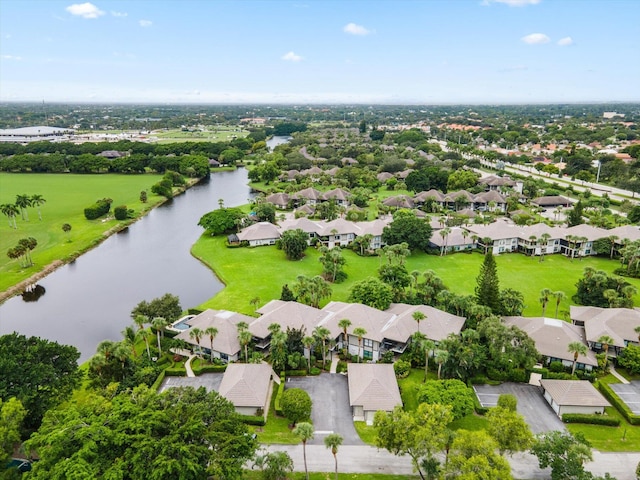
x=629 y=394
x=531 y=404
x=210 y=381
x=331 y=412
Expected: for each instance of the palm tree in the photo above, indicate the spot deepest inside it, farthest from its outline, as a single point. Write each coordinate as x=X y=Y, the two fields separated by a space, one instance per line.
x=159 y=323
x=308 y=343
x=11 y=211
x=533 y=241
x=278 y=352
x=441 y=357
x=130 y=337
x=444 y=233
x=196 y=333
x=38 y=200
x=418 y=316
x=333 y=441
x=560 y=296
x=212 y=332
x=577 y=348
x=544 y=299
x=359 y=332
x=465 y=234
x=66 y=228
x=606 y=341
x=322 y=334
x=612 y=239
x=344 y=324
x=23 y=202
x=140 y=320
x=304 y=430
x=244 y=337
x=544 y=238
x=422 y=342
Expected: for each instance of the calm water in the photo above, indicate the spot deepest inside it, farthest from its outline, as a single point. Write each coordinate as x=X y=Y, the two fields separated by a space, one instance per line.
x=91 y=299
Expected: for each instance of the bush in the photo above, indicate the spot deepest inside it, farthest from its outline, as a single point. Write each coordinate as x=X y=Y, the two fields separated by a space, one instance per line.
x=278 y=400
x=315 y=371
x=342 y=367
x=593 y=419
x=208 y=369
x=98 y=209
x=508 y=401
x=296 y=373
x=401 y=368
x=253 y=420
x=296 y=405
x=121 y=212
x=175 y=372
x=556 y=367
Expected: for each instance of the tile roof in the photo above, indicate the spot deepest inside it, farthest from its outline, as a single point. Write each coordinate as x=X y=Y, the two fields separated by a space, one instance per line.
x=574 y=393
x=373 y=386
x=226 y=341
x=286 y=314
x=259 y=231
x=247 y=385
x=618 y=323
x=552 y=337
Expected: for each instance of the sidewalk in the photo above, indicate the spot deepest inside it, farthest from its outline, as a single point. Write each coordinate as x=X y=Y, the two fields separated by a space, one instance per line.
x=613 y=372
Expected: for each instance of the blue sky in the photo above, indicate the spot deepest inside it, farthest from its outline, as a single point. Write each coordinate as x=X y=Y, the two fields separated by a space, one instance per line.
x=312 y=51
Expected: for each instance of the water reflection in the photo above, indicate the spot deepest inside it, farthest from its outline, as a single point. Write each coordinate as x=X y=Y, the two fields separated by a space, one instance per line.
x=33 y=293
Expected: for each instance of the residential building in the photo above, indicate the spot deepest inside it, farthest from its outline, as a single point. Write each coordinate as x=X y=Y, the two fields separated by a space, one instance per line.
x=617 y=323
x=248 y=386
x=372 y=388
x=573 y=396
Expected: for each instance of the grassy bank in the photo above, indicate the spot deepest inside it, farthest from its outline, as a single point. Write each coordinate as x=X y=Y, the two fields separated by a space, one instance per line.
x=261 y=272
x=66 y=197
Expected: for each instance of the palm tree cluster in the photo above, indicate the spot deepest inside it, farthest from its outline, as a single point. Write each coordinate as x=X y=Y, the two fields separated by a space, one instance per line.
x=23 y=251
x=11 y=210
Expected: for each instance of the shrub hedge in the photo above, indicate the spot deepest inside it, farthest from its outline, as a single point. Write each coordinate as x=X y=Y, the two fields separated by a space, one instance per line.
x=619 y=404
x=209 y=369
x=593 y=419
x=296 y=373
x=277 y=405
x=253 y=420
x=98 y=209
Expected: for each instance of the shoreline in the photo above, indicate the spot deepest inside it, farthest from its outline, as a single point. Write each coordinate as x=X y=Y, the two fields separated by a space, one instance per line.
x=21 y=286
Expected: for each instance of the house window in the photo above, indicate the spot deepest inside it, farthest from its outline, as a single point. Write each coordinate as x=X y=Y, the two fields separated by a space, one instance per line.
x=367 y=354
x=224 y=356
x=367 y=342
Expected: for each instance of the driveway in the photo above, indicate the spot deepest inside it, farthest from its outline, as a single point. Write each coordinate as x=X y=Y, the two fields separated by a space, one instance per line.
x=210 y=381
x=330 y=412
x=629 y=394
x=531 y=404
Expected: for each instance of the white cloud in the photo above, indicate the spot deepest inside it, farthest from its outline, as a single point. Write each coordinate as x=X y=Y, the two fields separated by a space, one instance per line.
x=515 y=68
x=11 y=57
x=536 y=39
x=85 y=10
x=119 y=14
x=292 y=57
x=354 y=29
x=145 y=23
x=512 y=3
x=565 y=42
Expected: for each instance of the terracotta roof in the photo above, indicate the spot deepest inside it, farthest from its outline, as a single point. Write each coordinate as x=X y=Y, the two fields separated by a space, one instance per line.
x=574 y=392
x=373 y=386
x=247 y=385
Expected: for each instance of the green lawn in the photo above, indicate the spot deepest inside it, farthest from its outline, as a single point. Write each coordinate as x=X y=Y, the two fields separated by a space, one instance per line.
x=221 y=134
x=261 y=271
x=366 y=432
x=625 y=438
x=276 y=429
x=66 y=197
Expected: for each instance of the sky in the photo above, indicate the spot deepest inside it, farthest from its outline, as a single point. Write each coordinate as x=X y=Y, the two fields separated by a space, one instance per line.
x=320 y=51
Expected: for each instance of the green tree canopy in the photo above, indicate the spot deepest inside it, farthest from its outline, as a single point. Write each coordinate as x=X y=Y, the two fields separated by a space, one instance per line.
x=372 y=292
x=488 y=286
x=294 y=243
x=223 y=220
x=11 y=415
x=296 y=405
x=166 y=306
x=564 y=452
x=409 y=229
x=39 y=373
x=453 y=393
x=140 y=434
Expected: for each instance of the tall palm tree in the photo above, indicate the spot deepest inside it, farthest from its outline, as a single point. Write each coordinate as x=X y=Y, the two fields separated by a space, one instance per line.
x=559 y=296
x=612 y=239
x=418 y=316
x=23 y=202
x=159 y=323
x=196 y=333
x=212 y=332
x=544 y=239
x=344 y=324
x=533 y=241
x=444 y=233
x=304 y=430
x=11 y=212
x=244 y=337
x=322 y=334
x=577 y=348
x=333 y=441
x=38 y=200
x=278 y=353
x=308 y=343
x=545 y=293
x=140 y=320
x=441 y=357
x=359 y=332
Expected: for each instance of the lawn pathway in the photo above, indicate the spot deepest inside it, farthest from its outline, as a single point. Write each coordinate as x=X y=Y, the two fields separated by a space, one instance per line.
x=613 y=372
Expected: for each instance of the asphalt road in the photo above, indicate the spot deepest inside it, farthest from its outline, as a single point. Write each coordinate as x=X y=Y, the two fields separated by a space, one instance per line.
x=531 y=404
x=629 y=394
x=366 y=459
x=331 y=412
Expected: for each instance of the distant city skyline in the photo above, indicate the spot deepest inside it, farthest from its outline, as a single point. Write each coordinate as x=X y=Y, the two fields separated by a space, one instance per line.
x=312 y=51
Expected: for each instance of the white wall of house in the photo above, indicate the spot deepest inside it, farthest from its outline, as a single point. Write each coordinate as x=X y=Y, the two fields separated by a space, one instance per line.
x=262 y=241
x=505 y=245
x=369 y=350
x=358 y=413
x=579 y=409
